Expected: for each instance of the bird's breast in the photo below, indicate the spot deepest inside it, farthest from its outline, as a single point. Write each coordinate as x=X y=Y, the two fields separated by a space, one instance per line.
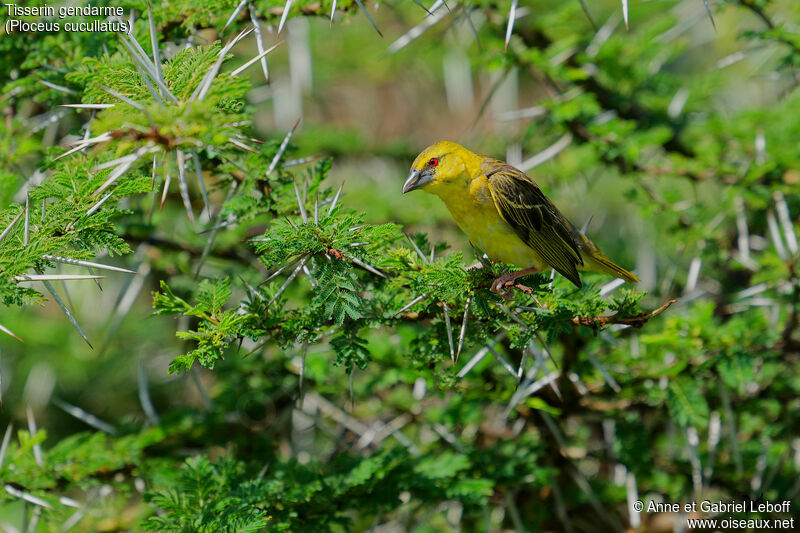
x=477 y=216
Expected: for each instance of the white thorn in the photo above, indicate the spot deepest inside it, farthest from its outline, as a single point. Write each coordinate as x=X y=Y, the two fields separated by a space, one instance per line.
x=284 y=15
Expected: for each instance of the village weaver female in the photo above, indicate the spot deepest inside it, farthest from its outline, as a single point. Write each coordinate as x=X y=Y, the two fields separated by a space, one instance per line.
x=506 y=215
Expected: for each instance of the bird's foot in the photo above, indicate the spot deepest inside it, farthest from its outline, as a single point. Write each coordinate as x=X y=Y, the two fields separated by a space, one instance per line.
x=504 y=285
x=524 y=288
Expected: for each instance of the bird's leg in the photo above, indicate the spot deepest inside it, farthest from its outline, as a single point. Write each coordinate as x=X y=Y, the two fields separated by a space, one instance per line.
x=507 y=280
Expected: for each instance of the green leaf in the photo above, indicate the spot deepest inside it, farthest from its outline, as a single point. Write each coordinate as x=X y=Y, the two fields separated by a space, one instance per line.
x=686 y=402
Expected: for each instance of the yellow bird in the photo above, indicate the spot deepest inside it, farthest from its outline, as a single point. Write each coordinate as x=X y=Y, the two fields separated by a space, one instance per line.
x=505 y=214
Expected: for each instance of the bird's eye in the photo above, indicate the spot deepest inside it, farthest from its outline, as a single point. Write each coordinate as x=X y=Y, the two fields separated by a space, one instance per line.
x=433 y=162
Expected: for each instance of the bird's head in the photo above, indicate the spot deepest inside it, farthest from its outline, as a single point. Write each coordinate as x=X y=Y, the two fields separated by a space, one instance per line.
x=439 y=165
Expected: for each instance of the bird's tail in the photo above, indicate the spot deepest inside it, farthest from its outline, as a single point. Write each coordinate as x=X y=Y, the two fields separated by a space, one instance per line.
x=596 y=260
x=601 y=263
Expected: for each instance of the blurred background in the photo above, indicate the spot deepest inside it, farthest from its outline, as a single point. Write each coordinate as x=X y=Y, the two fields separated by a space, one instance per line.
x=674 y=142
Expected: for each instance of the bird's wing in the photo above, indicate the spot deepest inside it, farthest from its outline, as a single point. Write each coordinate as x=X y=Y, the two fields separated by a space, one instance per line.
x=534 y=218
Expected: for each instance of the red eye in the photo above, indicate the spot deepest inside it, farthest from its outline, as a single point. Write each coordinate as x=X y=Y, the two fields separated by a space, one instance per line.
x=433 y=162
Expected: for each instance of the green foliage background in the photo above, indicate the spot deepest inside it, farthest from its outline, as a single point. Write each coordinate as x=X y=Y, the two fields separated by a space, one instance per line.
x=283 y=358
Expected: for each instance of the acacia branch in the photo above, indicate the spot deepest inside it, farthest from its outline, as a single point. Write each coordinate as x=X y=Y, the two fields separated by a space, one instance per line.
x=634 y=321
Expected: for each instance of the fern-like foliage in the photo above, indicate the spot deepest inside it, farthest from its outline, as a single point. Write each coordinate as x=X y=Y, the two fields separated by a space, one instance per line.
x=348 y=373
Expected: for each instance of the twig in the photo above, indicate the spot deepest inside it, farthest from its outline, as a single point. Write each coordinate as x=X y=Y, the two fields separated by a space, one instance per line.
x=633 y=321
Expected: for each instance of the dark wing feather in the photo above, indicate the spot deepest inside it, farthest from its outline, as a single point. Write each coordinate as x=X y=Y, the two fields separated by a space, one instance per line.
x=534 y=218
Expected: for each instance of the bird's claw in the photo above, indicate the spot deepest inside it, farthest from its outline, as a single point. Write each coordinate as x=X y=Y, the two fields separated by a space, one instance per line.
x=497 y=285
x=524 y=288
x=504 y=286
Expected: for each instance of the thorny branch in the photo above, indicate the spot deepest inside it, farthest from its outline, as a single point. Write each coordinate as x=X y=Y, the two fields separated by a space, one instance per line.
x=633 y=321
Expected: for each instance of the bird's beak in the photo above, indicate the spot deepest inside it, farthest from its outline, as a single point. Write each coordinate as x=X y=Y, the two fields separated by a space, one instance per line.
x=417 y=179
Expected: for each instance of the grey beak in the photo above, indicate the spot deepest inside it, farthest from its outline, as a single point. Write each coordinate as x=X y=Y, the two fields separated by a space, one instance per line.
x=417 y=179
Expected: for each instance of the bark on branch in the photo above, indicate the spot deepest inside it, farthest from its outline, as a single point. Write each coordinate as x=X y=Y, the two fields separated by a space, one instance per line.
x=633 y=321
